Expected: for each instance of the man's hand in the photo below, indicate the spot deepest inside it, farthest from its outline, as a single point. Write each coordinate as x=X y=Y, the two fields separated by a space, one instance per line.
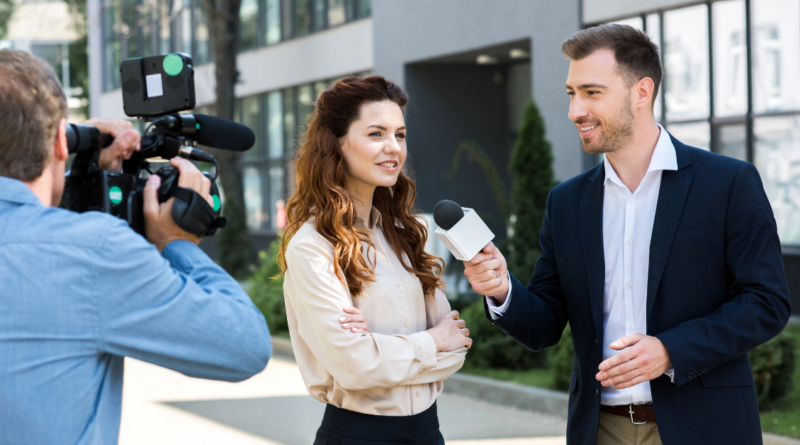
x=488 y=273
x=126 y=141
x=159 y=226
x=645 y=359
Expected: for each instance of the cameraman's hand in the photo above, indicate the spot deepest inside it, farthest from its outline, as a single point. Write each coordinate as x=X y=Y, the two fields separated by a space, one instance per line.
x=159 y=226
x=126 y=141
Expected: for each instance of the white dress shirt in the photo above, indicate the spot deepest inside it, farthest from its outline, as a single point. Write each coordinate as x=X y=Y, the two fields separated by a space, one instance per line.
x=627 y=227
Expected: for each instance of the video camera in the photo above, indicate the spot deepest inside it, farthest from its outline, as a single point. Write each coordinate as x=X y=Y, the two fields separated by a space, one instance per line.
x=154 y=89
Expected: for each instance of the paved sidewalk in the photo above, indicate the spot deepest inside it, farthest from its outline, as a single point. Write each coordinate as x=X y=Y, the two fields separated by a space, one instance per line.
x=273 y=408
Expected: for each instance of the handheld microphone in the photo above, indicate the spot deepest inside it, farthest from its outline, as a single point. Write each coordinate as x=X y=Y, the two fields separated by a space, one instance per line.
x=461 y=230
x=210 y=131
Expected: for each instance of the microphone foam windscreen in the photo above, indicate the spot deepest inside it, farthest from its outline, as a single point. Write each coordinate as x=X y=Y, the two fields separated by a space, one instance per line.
x=447 y=214
x=222 y=133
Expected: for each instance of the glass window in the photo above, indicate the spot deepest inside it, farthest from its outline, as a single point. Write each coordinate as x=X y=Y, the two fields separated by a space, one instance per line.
x=112 y=52
x=287 y=18
x=277 y=212
x=165 y=21
x=777 y=157
x=686 y=63
x=634 y=22
x=149 y=32
x=202 y=46
x=320 y=14
x=776 y=55
x=253 y=199
x=730 y=58
x=304 y=105
x=696 y=134
x=654 y=31
x=251 y=113
x=183 y=27
x=731 y=140
x=363 y=8
x=302 y=17
x=273 y=21
x=336 y=14
x=289 y=122
x=275 y=124
x=319 y=87
x=248 y=26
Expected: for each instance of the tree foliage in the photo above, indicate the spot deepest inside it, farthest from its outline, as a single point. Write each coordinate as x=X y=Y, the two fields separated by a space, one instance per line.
x=6 y=11
x=532 y=171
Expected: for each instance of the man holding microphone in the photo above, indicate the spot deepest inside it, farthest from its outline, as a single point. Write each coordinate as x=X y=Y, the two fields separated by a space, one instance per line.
x=82 y=291
x=664 y=259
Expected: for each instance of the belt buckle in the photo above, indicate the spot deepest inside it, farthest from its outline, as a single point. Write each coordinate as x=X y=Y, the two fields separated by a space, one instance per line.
x=630 y=411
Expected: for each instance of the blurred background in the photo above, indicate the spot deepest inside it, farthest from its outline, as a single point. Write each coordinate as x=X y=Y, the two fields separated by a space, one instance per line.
x=486 y=85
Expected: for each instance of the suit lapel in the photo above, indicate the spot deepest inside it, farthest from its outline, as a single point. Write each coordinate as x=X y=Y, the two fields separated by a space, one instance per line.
x=671 y=199
x=591 y=228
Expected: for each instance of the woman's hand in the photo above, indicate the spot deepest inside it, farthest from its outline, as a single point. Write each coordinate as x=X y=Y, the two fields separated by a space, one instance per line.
x=450 y=333
x=354 y=321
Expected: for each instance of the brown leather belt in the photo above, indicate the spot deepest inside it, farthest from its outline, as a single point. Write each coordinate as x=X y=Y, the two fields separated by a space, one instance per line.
x=637 y=413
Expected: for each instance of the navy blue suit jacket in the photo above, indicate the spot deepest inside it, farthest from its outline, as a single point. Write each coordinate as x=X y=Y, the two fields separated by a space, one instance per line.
x=716 y=289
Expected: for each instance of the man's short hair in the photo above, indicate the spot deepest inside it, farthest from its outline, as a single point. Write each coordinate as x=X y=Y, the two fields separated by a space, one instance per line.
x=636 y=55
x=32 y=104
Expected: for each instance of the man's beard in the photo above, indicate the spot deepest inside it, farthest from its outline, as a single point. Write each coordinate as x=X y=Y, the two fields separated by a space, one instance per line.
x=614 y=134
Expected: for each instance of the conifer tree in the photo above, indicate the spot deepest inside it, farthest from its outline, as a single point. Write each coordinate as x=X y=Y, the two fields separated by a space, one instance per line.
x=532 y=174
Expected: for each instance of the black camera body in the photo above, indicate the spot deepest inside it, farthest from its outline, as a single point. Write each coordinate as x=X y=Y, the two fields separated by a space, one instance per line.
x=154 y=89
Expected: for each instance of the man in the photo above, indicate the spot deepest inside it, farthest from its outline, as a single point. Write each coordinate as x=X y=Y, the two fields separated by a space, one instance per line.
x=664 y=259
x=82 y=291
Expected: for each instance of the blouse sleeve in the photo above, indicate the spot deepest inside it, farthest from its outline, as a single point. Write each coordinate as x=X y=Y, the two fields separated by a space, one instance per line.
x=356 y=362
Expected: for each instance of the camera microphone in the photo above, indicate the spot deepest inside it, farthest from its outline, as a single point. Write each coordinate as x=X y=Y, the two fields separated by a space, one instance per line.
x=210 y=131
x=461 y=230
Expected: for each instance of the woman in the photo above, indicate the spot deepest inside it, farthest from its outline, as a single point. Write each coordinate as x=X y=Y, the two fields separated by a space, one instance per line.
x=372 y=332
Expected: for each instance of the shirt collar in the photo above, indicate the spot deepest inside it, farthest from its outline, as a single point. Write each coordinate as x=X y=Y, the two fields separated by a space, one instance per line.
x=375 y=217
x=664 y=158
x=13 y=190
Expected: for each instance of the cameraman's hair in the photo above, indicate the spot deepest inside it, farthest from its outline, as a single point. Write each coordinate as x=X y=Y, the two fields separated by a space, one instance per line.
x=636 y=55
x=32 y=104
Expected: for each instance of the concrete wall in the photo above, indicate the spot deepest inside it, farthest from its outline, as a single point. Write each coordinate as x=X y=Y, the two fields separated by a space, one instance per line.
x=408 y=31
x=598 y=11
x=331 y=53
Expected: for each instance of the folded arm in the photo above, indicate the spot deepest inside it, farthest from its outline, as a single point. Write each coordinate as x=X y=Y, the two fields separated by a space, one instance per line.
x=356 y=361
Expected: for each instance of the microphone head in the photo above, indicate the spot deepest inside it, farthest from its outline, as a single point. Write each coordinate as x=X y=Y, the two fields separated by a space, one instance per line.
x=447 y=214
x=222 y=133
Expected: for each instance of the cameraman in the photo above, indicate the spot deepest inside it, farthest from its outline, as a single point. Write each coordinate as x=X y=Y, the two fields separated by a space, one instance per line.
x=82 y=291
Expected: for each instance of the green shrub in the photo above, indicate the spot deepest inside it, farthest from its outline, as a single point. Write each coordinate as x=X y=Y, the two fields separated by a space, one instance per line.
x=562 y=357
x=266 y=292
x=492 y=348
x=531 y=168
x=773 y=368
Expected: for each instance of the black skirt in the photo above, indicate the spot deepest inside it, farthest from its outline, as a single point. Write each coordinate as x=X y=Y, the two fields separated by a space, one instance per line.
x=343 y=427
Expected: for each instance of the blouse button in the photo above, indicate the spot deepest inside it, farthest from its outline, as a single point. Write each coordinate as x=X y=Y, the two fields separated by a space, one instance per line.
x=400 y=288
x=364 y=294
x=417 y=393
x=383 y=258
x=406 y=323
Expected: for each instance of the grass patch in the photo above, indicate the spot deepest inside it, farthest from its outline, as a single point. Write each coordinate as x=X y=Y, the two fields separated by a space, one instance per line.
x=784 y=416
x=539 y=377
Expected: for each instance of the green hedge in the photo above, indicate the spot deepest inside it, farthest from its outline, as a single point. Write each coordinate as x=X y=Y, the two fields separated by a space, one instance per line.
x=267 y=293
x=491 y=348
x=773 y=368
x=562 y=357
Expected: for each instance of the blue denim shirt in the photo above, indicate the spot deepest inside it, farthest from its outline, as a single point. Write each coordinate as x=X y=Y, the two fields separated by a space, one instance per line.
x=78 y=292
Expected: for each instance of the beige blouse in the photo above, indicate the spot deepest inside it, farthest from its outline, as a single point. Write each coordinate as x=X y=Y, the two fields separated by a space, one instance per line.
x=395 y=371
